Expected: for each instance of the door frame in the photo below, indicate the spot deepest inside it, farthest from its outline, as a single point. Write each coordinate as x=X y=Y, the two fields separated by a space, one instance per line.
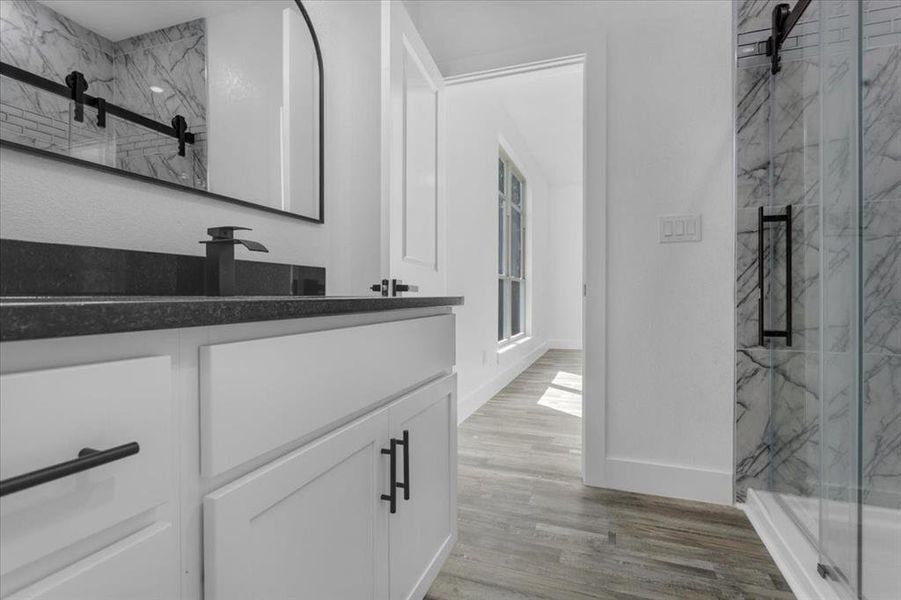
x=594 y=218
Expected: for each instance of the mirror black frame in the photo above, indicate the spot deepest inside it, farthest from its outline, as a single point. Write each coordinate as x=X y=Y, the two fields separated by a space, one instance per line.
x=206 y=193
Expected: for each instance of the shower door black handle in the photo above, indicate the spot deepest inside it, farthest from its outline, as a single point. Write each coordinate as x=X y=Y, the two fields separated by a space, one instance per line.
x=762 y=220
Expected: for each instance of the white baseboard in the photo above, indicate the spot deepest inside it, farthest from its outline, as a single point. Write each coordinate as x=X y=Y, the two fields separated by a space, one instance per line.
x=674 y=481
x=474 y=400
x=564 y=344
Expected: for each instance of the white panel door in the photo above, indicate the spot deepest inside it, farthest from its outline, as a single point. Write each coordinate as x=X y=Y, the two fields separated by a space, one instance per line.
x=413 y=170
x=310 y=525
x=424 y=529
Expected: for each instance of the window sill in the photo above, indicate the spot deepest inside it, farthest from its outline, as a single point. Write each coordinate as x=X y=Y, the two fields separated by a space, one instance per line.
x=514 y=343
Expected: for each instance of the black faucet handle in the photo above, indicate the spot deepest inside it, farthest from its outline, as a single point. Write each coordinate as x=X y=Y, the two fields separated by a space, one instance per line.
x=226 y=235
x=226 y=231
x=252 y=246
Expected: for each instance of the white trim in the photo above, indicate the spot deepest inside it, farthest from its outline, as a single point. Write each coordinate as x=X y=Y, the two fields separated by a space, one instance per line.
x=538 y=65
x=592 y=57
x=488 y=390
x=564 y=344
x=594 y=263
x=662 y=479
x=791 y=551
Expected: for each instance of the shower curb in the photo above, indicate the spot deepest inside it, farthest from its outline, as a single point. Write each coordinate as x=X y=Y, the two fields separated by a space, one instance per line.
x=791 y=551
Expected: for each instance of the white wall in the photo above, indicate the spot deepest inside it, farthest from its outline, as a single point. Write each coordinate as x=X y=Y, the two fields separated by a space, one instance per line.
x=659 y=325
x=476 y=124
x=564 y=326
x=45 y=200
x=244 y=50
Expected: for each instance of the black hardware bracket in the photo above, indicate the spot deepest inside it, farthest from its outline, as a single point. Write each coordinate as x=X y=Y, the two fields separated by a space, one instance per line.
x=75 y=90
x=784 y=20
x=77 y=86
x=762 y=331
x=101 y=112
x=180 y=125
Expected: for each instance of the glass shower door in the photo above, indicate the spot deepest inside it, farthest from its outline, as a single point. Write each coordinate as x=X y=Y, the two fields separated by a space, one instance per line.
x=839 y=518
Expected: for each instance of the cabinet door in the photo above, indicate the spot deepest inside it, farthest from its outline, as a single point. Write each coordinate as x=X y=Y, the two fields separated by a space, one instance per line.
x=308 y=525
x=424 y=529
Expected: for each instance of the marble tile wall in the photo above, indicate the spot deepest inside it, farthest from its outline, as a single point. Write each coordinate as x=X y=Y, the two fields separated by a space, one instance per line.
x=779 y=152
x=36 y=38
x=174 y=60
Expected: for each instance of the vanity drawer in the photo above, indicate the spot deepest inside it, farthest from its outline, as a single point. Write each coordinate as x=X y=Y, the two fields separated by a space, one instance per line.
x=259 y=395
x=143 y=566
x=47 y=417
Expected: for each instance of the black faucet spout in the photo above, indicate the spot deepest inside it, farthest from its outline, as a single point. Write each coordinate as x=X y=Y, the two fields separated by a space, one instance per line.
x=219 y=276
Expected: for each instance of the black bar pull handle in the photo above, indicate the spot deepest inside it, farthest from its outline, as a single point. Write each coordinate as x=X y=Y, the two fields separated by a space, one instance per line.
x=405 y=442
x=762 y=331
x=88 y=458
x=391 y=496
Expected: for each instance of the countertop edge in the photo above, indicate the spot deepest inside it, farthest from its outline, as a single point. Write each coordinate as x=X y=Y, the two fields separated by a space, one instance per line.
x=22 y=321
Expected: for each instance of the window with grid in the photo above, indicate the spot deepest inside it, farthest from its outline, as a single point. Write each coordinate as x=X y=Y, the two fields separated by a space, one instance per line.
x=511 y=266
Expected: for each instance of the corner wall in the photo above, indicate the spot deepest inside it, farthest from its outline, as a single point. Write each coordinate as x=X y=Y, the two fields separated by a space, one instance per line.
x=565 y=267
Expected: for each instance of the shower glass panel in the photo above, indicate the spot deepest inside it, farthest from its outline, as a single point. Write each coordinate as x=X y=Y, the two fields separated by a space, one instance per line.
x=818 y=431
x=840 y=266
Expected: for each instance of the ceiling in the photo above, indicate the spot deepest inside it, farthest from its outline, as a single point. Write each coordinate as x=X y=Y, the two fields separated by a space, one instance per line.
x=546 y=107
x=455 y=30
x=117 y=21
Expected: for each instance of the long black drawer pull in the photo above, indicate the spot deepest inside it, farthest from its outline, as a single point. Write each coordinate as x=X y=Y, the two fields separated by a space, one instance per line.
x=88 y=458
x=405 y=486
x=391 y=497
x=762 y=331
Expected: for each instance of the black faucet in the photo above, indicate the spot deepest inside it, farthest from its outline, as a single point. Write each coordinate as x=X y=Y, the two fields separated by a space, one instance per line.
x=219 y=278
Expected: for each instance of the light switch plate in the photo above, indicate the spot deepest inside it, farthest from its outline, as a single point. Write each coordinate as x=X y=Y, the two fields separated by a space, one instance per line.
x=679 y=228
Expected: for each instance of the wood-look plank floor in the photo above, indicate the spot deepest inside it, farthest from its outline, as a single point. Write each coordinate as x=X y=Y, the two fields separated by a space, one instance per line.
x=530 y=529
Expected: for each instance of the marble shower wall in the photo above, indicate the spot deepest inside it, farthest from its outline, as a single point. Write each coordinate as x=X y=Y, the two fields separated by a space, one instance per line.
x=174 y=60
x=779 y=153
x=36 y=38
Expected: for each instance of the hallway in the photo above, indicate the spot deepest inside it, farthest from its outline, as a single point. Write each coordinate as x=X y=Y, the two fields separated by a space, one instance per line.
x=528 y=528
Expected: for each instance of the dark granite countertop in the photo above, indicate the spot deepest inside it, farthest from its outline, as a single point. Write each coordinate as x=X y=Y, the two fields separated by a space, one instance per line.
x=36 y=317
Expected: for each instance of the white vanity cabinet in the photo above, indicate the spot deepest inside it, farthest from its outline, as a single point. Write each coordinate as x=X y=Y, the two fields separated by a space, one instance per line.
x=107 y=526
x=264 y=468
x=423 y=530
x=317 y=523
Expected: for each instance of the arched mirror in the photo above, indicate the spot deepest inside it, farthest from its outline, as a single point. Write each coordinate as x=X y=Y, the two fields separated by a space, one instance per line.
x=223 y=97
